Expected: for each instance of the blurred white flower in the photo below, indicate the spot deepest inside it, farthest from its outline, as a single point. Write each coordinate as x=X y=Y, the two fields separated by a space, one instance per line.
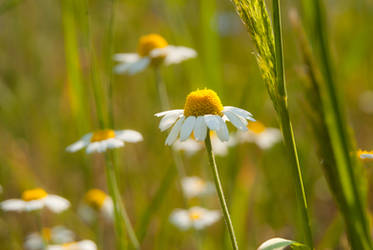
x=102 y=140
x=365 y=155
x=77 y=245
x=260 y=135
x=194 y=186
x=55 y=235
x=189 y=146
x=154 y=50
x=36 y=199
x=203 y=110
x=96 y=201
x=195 y=217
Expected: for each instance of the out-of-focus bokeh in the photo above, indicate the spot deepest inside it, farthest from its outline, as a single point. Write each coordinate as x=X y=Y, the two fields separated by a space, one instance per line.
x=47 y=49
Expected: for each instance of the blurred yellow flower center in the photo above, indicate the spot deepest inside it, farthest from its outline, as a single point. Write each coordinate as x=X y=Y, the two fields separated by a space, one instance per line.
x=46 y=233
x=95 y=198
x=203 y=102
x=256 y=127
x=34 y=194
x=102 y=135
x=68 y=245
x=200 y=184
x=194 y=215
x=149 y=42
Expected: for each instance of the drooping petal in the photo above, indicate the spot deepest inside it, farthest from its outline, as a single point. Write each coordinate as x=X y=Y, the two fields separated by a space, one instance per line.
x=56 y=203
x=177 y=54
x=93 y=147
x=128 y=135
x=276 y=244
x=222 y=132
x=132 y=67
x=126 y=57
x=34 y=205
x=174 y=131
x=200 y=129
x=169 y=112
x=213 y=122
x=15 y=205
x=167 y=120
x=187 y=128
x=113 y=143
x=240 y=112
x=79 y=144
x=238 y=121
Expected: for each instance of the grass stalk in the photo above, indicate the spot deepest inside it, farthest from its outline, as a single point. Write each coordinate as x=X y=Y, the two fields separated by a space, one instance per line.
x=219 y=189
x=268 y=42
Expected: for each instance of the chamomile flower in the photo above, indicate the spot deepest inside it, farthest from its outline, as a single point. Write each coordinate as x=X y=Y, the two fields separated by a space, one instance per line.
x=260 y=135
x=365 y=155
x=101 y=140
x=195 y=217
x=194 y=186
x=36 y=199
x=76 y=245
x=203 y=110
x=152 y=50
x=96 y=201
x=55 y=235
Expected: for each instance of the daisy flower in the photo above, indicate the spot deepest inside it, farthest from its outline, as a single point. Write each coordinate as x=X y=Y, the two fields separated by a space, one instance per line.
x=152 y=50
x=76 y=245
x=101 y=140
x=195 y=217
x=194 y=186
x=55 y=235
x=203 y=110
x=260 y=135
x=36 y=199
x=96 y=201
x=365 y=155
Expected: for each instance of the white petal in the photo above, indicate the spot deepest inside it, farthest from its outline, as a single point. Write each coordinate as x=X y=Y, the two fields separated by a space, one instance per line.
x=213 y=121
x=169 y=112
x=34 y=205
x=86 y=245
x=200 y=129
x=187 y=128
x=108 y=208
x=132 y=67
x=268 y=138
x=56 y=203
x=16 y=205
x=220 y=148
x=61 y=235
x=193 y=186
x=167 y=120
x=223 y=133
x=241 y=112
x=207 y=218
x=114 y=143
x=180 y=218
x=126 y=57
x=93 y=147
x=174 y=131
x=238 y=121
x=80 y=144
x=128 y=135
x=177 y=54
x=189 y=146
x=275 y=244
x=34 y=242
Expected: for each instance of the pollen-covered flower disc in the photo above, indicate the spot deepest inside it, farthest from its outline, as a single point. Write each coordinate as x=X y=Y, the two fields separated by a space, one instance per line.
x=101 y=140
x=152 y=50
x=202 y=110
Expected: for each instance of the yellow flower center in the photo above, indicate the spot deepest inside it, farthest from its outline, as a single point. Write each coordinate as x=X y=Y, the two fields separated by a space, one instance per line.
x=102 y=135
x=68 y=245
x=95 y=198
x=194 y=215
x=34 y=194
x=360 y=154
x=203 y=102
x=256 y=127
x=149 y=42
x=46 y=233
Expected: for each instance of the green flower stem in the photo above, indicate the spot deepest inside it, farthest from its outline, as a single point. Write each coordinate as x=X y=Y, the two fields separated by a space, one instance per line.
x=161 y=88
x=219 y=189
x=286 y=126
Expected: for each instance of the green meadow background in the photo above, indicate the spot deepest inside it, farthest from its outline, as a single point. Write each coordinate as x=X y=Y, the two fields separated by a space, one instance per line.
x=52 y=54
